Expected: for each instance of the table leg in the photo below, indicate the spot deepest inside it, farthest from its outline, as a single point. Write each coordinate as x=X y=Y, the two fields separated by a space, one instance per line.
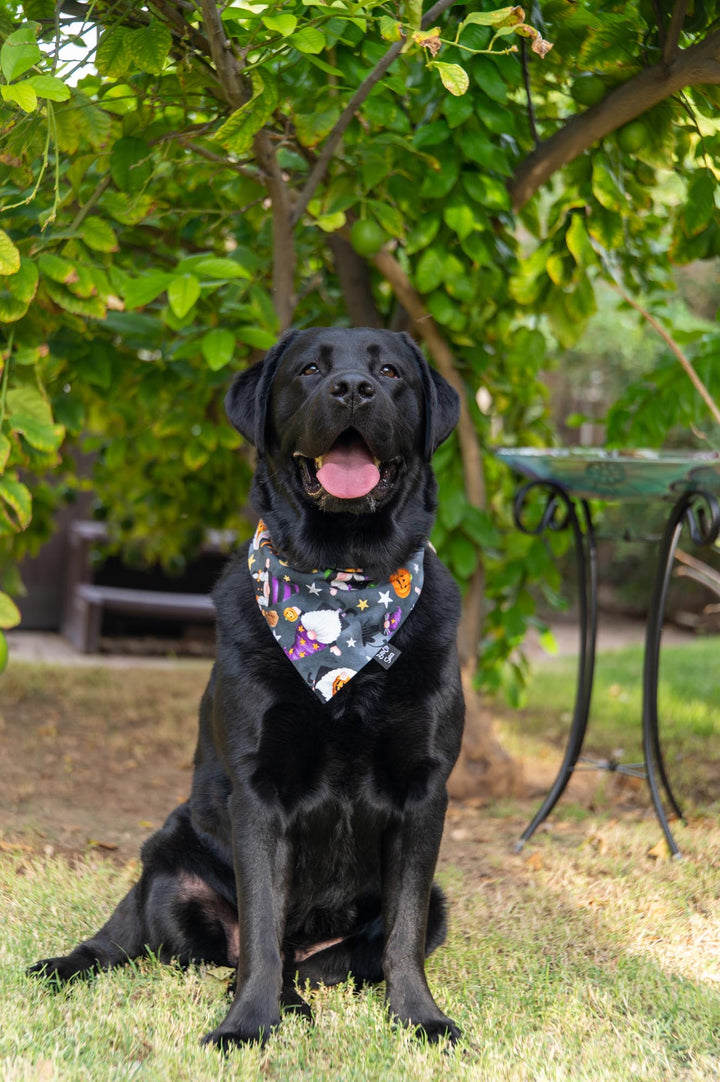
x=703 y=531
x=577 y=517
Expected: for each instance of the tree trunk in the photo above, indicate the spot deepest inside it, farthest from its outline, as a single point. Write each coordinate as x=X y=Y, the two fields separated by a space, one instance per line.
x=484 y=770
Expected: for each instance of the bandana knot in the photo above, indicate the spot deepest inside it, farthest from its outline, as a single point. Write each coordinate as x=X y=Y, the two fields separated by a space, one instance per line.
x=331 y=623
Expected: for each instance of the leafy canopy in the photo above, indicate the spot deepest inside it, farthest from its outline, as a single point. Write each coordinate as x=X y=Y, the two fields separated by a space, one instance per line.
x=193 y=183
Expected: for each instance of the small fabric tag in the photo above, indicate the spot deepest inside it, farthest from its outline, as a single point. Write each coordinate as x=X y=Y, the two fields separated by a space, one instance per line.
x=387 y=655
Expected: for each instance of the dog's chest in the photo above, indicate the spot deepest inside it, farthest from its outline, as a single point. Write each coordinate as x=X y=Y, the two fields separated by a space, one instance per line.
x=378 y=767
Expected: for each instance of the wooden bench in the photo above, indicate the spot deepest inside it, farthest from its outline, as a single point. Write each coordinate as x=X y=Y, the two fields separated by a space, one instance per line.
x=90 y=601
x=85 y=601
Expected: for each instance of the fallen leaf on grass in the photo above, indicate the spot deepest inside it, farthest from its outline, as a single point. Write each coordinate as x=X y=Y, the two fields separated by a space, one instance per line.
x=661 y=851
x=534 y=862
x=15 y=847
x=102 y=845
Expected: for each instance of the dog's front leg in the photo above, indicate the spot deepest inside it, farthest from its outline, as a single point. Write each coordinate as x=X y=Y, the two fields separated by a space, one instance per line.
x=410 y=852
x=262 y=855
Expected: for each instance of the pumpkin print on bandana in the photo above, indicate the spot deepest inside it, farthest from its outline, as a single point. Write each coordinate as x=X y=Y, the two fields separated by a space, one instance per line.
x=331 y=623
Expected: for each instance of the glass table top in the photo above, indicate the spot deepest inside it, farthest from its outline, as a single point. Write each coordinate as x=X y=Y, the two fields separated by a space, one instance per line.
x=593 y=473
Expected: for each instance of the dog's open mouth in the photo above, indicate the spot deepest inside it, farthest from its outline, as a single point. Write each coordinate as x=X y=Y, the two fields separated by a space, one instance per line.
x=348 y=470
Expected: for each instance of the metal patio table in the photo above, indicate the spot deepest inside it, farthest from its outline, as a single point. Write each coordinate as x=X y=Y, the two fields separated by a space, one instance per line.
x=689 y=483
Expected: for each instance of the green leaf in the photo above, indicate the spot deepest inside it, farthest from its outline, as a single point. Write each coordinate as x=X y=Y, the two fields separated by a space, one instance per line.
x=390 y=29
x=54 y=267
x=217 y=348
x=9 y=612
x=141 y=291
x=17 y=497
x=43 y=437
x=389 y=217
x=17 y=291
x=578 y=242
x=113 y=56
x=605 y=187
x=430 y=270
x=460 y=218
x=454 y=78
x=503 y=16
x=464 y=555
x=308 y=40
x=9 y=255
x=700 y=205
x=27 y=401
x=99 y=234
x=195 y=455
x=480 y=527
x=422 y=234
x=281 y=24
x=239 y=130
x=19 y=53
x=130 y=163
x=312 y=127
x=256 y=337
x=183 y=292
x=150 y=46
x=220 y=267
x=5 y=449
x=50 y=87
x=21 y=94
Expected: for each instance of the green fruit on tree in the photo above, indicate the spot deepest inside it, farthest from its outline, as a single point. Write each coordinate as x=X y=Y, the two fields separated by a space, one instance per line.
x=633 y=136
x=588 y=89
x=3 y=652
x=367 y=237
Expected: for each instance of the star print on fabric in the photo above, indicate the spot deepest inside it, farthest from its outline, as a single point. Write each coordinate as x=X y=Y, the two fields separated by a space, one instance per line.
x=286 y=578
x=384 y=598
x=313 y=589
x=350 y=643
x=362 y=604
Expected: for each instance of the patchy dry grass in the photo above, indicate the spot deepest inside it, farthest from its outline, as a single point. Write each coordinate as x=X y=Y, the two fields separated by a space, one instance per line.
x=581 y=958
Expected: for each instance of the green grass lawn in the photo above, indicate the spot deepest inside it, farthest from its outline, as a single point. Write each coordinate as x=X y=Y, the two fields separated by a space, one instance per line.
x=580 y=959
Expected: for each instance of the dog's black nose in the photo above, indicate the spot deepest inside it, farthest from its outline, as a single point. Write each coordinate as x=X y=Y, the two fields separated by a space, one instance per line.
x=350 y=388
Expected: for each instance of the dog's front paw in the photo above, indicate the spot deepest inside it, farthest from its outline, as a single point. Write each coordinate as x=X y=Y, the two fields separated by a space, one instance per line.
x=60 y=970
x=437 y=1029
x=235 y=1032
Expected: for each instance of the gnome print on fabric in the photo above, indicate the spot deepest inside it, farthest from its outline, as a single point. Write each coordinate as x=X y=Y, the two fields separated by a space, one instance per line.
x=315 y=631
x=331 y=623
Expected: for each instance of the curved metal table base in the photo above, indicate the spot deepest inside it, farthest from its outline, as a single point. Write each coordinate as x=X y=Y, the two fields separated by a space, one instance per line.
x=701 y=513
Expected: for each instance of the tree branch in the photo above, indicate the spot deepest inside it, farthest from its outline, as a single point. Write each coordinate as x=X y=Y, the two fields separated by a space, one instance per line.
x=354 y=275
x=670 y=48
x=333 y=140
x=473 y=472
x=698 y=64
x=670 y=341
x=237 y=94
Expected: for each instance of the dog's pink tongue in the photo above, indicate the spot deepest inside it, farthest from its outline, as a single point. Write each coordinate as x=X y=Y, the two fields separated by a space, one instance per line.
x=348 y=471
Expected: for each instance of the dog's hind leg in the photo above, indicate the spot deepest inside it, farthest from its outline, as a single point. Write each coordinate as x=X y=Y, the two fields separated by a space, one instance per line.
x=121 y=939
x=359 y=955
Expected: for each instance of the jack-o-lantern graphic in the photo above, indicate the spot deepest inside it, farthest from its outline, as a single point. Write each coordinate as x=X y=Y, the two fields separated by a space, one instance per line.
x=340 y=682
x=292 y=612
x=401 y=580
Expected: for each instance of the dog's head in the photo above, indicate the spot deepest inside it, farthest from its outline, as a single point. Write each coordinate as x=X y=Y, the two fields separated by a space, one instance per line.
x=345 y=423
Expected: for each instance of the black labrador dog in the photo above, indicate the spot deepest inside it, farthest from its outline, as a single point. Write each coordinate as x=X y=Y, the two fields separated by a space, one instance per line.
x=307 y=849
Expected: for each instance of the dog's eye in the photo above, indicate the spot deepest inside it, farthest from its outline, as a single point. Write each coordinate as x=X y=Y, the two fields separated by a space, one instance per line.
x=310 y=370
x=389 y=371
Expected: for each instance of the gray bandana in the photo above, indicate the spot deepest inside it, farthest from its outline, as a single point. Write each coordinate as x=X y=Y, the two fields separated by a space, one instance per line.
x=330 y=624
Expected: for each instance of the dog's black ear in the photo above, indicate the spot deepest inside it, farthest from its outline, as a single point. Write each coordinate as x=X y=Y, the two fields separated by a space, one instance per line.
x=442 y=402
x=246 y=402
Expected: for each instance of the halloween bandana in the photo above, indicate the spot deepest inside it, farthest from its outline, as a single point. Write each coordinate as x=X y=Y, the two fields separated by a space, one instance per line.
x=330 y=624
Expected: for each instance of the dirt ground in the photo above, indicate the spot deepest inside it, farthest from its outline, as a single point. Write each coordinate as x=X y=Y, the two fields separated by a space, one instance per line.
x=93 y=759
